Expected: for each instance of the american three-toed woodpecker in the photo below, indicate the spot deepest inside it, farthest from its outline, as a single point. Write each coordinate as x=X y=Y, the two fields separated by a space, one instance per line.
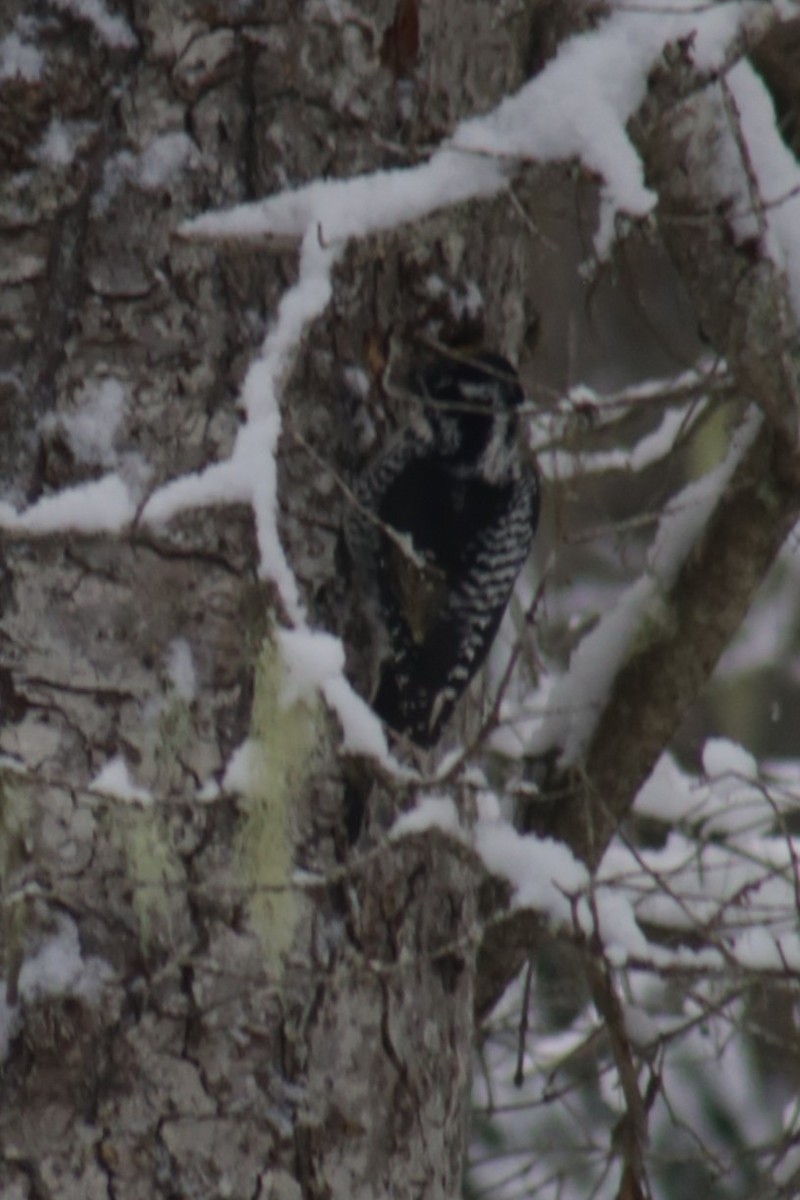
x=444 y=521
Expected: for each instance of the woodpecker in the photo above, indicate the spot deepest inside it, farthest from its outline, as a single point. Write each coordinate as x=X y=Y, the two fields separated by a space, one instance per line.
x=441 y=526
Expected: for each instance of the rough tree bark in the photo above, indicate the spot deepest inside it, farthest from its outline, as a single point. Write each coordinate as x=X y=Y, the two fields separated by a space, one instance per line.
x=214 y=1033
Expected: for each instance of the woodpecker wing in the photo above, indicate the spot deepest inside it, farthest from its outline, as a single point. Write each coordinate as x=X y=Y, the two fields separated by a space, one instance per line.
x=442 y=525
x=472 y=537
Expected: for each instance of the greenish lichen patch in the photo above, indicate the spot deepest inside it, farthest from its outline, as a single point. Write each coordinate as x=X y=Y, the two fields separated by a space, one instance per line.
x=282 y=752
x=154 y=871
x=173 y=734
x=14 y=823
x=658 y=622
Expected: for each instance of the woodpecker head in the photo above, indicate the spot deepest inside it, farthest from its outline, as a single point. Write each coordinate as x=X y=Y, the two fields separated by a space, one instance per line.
x=472 y=408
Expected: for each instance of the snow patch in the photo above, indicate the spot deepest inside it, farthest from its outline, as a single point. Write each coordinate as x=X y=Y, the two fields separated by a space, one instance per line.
x=362 y=732
x=549 y=119
x=114 y=31
x=239 y=770
x=723 y=757
x=431 y=812
x=102 y=506
x=314 y=661
x=57 y=969
x=164 y=158
x=91 y=429
x=777 y=175
x=545 y=874
x=310 y=659
x=19 y=59
x=335 y=210
x=56 y=146
x=181 y=669
x=114 y=780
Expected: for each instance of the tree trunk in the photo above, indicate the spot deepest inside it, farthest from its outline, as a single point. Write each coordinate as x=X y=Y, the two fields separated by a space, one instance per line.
x=182 y=1020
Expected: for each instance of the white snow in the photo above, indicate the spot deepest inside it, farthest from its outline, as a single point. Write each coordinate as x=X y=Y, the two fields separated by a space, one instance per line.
x=767 y=636
x=562 y=465
x=20 y=59
x=58 y=968
x=310 y=659
x=60 y=139
x=181 y=669
x=16 y=765
x=553 y=119
x=153 y=169
x=549 y=428
x=357 y=381
x=114 y=780
x=105 y=505
x=362 y=732
x=210 y=791
x=730 y=866
x=430 y=812
x=740 y=888
x=686 y=516
x=759 y=950
x=102 y=506
x=164 y=158
x=56 y=146
x=723 y=757
x=334 y=210
x=220 y=483
x=670 y=795
x=239 y=769
x=314 y=661
x=114 y=31
x=776 y=171
x=545 y=874
x=92 y=427
x=547 y=119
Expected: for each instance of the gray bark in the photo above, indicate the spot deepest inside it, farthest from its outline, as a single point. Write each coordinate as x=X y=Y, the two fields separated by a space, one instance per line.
x=226 y=1034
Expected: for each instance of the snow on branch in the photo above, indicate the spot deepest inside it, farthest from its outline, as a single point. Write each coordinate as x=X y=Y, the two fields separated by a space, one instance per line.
x=339 y=209
x=579 y=695
x=549 y=432
x=577 y=108
x=728 y=876
x=102 y=506
x=762 y=175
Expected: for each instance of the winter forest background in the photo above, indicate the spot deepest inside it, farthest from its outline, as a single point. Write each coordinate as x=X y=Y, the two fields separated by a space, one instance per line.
x=559 y=959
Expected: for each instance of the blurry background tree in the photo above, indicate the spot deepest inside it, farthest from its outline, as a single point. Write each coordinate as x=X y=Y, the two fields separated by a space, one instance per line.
x=212 y=988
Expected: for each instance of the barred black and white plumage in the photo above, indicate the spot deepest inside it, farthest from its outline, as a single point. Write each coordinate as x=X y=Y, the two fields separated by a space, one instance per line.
x=445 y=519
